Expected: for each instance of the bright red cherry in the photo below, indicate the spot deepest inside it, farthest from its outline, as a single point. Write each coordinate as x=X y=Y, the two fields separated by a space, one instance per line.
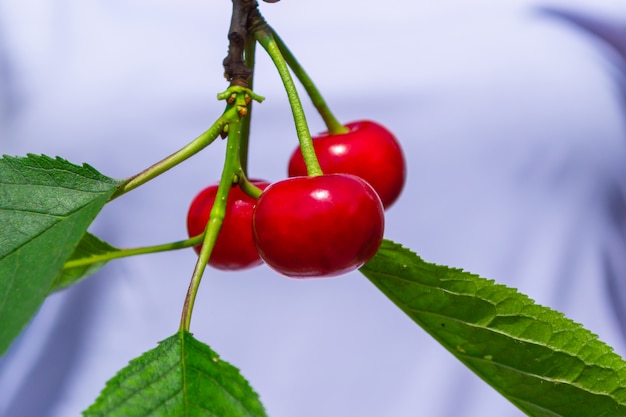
x=318 y=226
x=234 y=248
x=368 y=150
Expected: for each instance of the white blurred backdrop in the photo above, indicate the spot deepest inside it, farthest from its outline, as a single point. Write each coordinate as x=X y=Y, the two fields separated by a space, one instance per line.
x=511 y=115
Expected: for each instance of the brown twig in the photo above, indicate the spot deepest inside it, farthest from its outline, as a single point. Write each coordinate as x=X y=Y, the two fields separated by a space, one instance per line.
x=235 y=70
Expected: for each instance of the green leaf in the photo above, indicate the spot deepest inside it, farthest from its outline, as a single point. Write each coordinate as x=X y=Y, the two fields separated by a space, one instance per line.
x=542 y=362
x=180 y=377
x=46 y=206
x=89 y=246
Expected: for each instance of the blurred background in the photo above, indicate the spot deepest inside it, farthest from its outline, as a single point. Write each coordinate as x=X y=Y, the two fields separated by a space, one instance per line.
x=511 y=115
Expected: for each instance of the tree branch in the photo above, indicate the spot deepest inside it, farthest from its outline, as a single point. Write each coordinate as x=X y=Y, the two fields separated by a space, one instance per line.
x=235 y=70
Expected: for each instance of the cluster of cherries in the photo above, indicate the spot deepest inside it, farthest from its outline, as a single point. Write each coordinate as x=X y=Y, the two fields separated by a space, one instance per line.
x=311 y=226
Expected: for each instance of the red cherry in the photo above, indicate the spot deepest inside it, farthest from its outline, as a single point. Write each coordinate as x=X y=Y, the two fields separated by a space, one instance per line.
x=368 y=150
x=318 y=226
x=234 y=248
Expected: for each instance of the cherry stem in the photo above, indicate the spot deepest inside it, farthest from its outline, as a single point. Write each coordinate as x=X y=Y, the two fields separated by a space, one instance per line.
x=124 y=253
x=174 y=159
x=332 y=124
x=249 y=188
x=238 y=99
x=249 y=53
x=264 y=35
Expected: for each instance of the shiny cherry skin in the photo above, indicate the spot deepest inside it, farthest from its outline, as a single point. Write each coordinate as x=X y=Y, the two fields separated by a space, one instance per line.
x=318 y=226
x=368 y=150
x=234 y=248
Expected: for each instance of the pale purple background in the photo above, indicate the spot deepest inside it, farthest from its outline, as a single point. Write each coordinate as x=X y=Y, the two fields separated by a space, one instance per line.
x=512 y=120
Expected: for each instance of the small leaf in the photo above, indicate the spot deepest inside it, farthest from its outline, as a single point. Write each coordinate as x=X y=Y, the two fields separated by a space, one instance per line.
x=542 y=362
x=46 y=206
x=88 y=246
x=180 y=377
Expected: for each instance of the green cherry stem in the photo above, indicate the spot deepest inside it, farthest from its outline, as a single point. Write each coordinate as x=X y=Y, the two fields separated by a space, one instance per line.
x=266 y=39
x=230 y=174
x=193 y=147
x=248 y=187
x=332 y=124
x=124 y=253
x=249 y=53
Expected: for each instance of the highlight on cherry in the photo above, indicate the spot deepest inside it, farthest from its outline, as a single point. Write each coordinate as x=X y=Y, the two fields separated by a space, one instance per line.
x=318 y=226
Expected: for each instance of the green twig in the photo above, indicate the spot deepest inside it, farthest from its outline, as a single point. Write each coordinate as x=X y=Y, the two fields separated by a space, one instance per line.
x=238 y=101
x=174 y=159
x=124 y=253
x=250 y=49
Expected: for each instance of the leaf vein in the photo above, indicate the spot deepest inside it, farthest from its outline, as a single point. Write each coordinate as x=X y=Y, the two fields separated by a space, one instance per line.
x=146 y=383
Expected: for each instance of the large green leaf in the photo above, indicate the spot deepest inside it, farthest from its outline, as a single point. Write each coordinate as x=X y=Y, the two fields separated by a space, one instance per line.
x=46 y=206
x=544 y=363
x=88 y=247
x=180 y=377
